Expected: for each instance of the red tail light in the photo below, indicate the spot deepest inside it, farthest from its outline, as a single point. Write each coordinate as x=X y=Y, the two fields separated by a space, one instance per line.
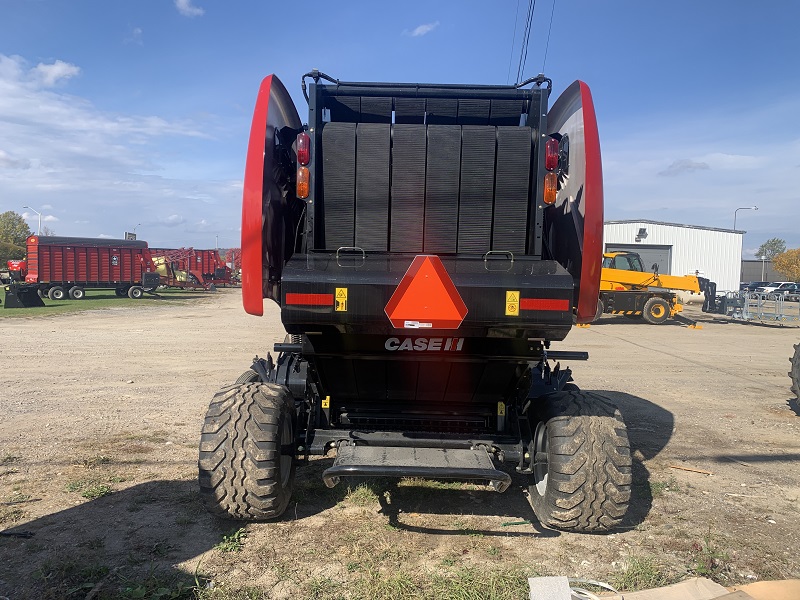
x=551 y=154
x=303 y=148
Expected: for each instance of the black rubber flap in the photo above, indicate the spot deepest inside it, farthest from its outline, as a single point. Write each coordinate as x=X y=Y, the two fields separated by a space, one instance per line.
x=408 y=187
x=511 y=196
x=506 y=112
x=372 y=186
x=438 y=463
x=376 y=110
x=409 y=110
x=339 y=160
x=20 y=295
x=441 y=189
x=442 y=111
x=477 y=188
x=473 y=112
x=344 y=109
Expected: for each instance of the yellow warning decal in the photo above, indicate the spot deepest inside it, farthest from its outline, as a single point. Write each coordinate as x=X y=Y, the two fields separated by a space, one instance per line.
x=326 y=403
x=512 y=303
x=341 y=300
x=501 y=409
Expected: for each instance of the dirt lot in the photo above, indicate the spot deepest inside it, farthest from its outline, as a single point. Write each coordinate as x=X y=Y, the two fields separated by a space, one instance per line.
x=101 y=412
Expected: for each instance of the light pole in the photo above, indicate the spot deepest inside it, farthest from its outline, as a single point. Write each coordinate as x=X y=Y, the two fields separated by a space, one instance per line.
x=738 y=209
x=39 y=229
x=134 y=229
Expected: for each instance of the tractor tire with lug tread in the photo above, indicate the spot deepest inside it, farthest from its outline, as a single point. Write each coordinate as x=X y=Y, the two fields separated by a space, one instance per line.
x=247 y=452
x=56 y=293
x=582 y=463
x=76 y=292
x=656 y=311
x=794 y=374
x=248 y=376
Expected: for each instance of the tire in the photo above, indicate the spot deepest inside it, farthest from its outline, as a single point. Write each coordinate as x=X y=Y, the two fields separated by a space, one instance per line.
x=246 y=460
x=135 y=292
x=248 y=376
x=56 y=293
x=582 y=463
x=599 y=313
x=656 y=311
x=76 y=292
x=121 y=292
x=794 y=374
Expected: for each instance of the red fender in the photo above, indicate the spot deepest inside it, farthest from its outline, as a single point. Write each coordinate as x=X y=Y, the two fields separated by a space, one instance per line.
x=575 y=221
x=274 y=110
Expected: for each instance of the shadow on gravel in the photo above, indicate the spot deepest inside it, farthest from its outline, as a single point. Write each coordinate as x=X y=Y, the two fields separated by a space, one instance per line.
x=649 y=430
x=119 y=545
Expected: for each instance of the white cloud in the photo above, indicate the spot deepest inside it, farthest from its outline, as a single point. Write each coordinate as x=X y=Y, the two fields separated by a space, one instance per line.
x=186 y=8
x=421 y=30
x=46 y=207
x=50 y=75
x=134 y=36
x=105 y=236
x=50 y=218
x=7 y=161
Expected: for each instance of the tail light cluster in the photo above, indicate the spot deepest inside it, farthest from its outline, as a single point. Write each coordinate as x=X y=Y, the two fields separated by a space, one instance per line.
x=551 y=164
x=303 y=150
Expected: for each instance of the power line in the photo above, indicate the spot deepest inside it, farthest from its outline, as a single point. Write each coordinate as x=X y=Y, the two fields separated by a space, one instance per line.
x=513 y=41
x=549 y=29
x=526 y=36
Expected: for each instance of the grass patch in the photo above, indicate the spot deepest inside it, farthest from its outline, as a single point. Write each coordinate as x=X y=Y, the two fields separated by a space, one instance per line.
x=89 y=488
x=99 y=300
x=708 y=560
x=11 y=514
x=233 y=542
x=363 y=494
x=640 y=572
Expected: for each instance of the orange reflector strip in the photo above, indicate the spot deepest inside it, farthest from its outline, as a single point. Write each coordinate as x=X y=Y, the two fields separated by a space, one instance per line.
x=544 y=304
x=302 y=182
x=309 y=299
x=550 y=188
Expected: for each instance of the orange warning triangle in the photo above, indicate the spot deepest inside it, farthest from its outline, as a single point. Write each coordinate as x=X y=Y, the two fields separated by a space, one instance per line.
x=426 y=297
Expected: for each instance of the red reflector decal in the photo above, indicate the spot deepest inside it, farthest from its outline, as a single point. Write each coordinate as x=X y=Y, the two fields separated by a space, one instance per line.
x=309 y=299
x=426 y=297
x=544 y=304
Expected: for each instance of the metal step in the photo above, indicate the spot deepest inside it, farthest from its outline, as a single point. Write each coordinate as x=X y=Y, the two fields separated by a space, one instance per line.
x=427 y=463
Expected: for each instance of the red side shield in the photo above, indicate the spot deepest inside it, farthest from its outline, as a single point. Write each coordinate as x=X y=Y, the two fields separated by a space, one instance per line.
x=274 y=110
x=575 y=221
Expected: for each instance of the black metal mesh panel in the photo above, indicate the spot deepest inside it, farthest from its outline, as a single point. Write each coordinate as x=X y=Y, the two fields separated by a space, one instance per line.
x=477 y=188
x=376 y=110
x=512 y=180
x=473 y=112
x=339 y=166
x=505 y=112
x=408 y=187
x=441 y=188
x=441 y=111
x=344 y=109
x=409 y=110
x=372 y=186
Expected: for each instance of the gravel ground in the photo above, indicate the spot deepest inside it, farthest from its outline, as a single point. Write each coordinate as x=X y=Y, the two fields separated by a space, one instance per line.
x=101 y=412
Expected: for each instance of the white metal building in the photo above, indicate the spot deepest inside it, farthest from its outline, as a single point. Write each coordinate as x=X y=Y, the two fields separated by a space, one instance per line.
x=715 y=254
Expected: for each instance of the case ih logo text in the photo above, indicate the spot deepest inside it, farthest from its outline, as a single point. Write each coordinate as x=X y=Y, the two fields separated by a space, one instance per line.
x=425 y=344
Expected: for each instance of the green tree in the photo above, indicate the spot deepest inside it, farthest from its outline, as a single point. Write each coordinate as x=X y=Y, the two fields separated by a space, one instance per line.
x=771 y=248
x=788 y=264
x=13 y=228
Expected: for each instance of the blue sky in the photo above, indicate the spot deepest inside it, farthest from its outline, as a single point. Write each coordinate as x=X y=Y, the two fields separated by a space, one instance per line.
x=135 y=113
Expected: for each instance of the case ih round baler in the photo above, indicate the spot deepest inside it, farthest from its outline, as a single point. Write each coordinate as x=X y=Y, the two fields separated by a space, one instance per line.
x=426 y=244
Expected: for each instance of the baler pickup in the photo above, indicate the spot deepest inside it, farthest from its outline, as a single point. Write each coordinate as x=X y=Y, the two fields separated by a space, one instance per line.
x=427 y=463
